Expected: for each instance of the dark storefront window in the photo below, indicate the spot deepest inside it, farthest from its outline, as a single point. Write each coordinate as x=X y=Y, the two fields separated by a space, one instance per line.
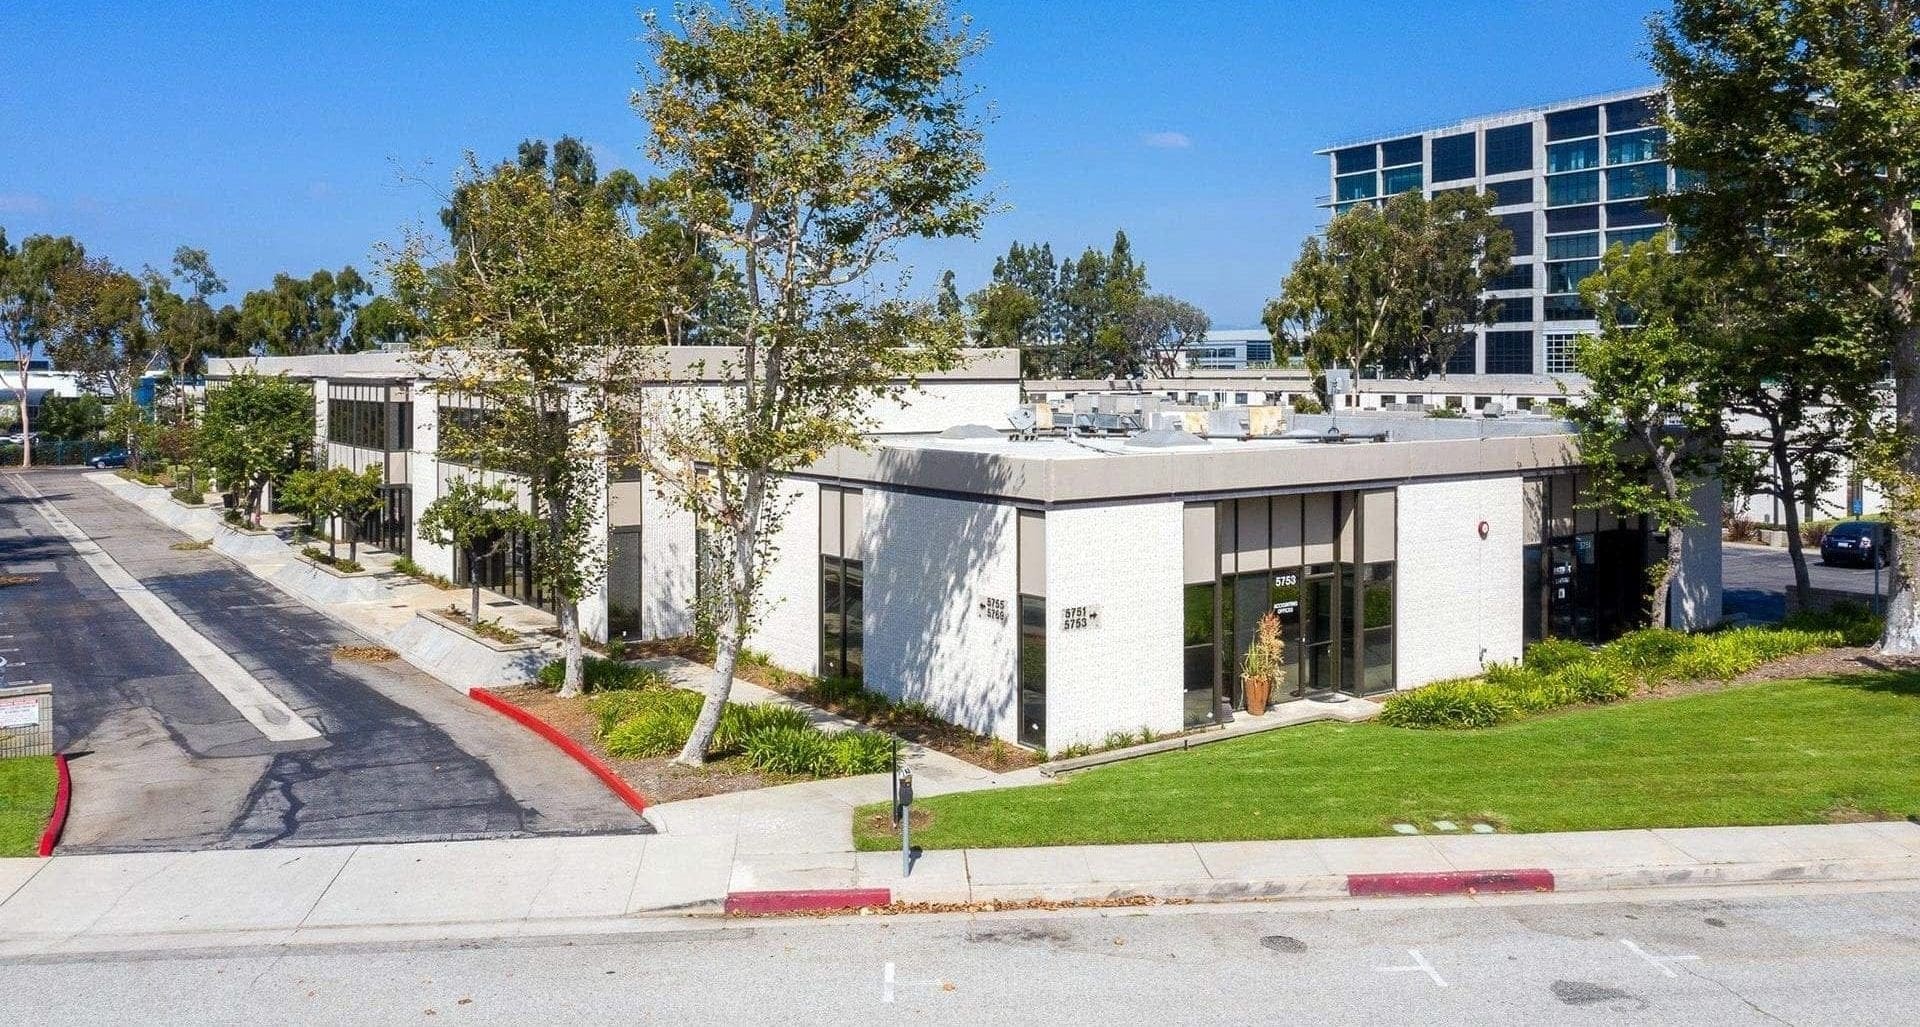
x=1198 y=652
x=842 y=613
x=508 y=571
x=1033 y=671
x=623 y=583
x=370 y=424
x=1585 y=574
x=1376 y=621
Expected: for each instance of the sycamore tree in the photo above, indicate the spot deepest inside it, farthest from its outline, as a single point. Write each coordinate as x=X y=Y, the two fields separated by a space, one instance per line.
x=27 y=273
x=1648 y=422
x=1401 y=287
x=1798 y=124
x=256 y=432
x=480 y=519
x=538 y=321
x=810 y=139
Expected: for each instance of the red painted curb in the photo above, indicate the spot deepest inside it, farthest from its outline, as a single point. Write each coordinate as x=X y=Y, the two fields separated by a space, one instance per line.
x=1450 y=882
x=806 y=900
x=62 y=798
x=595 y=766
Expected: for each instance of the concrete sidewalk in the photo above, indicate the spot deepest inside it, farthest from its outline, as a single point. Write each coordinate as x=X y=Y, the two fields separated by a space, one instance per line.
x=596 y=884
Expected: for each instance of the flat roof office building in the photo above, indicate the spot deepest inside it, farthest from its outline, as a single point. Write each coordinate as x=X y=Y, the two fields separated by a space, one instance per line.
x=1569 y=179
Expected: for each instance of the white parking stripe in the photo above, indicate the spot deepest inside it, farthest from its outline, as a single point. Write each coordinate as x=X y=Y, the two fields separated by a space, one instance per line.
x=262 y=708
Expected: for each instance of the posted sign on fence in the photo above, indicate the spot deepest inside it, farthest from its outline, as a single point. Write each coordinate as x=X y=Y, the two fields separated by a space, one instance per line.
x=26 y=721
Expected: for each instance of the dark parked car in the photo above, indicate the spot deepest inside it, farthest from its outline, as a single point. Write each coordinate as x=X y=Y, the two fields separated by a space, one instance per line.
x=112 y=458
x=1861 y=543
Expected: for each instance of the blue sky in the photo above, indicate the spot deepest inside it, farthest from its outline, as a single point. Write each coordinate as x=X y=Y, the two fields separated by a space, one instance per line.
x=289 y=137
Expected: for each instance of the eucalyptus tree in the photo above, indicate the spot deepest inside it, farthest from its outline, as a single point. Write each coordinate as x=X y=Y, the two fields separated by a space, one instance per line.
x=98 y=329
x=809 y=139
x=27 y=273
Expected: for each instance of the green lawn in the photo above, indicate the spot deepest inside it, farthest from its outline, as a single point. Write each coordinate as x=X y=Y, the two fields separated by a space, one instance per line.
x=26 y=799
x=1778 y=753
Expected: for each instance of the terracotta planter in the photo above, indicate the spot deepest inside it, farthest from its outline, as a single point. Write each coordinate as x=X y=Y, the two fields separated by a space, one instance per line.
x=1259 y=690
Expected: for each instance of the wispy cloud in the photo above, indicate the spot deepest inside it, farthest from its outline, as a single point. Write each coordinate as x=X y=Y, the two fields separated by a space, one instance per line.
x=22 y=203
x=1167 y=140
x=320 y=190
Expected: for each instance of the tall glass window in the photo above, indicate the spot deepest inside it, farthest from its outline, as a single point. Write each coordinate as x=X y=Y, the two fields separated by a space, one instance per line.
x=1579 y=187
x=1198 y=653
x=842 y=613
x=1568 y=247
x=1401 y=151
x=1512 y=191
x=1354 y=158
x=1395 y=181
x=1635 y=113
x=1509 y=352
x=623 y=583
x=1567 y=308
x=1355 y=187
x=1638 y=180
x=1509 y=149
x=1453 y=157
x=1514 y=309
x=1521 y=226
x=1634 y=147
x=1632 y=212
x=1518 y=276
x=1462 y=360
x=1573 y=219
x=1376 y=615
x=1577 y=156
x=1573 y=124
x=1566 y=275
x=1033 y=671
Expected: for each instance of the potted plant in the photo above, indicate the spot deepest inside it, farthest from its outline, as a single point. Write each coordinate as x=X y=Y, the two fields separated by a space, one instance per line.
x=1265 y=661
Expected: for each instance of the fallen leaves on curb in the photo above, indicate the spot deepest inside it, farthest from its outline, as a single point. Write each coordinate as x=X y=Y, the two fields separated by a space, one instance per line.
x=17 y=579
x=364 y=653
x=189 y=546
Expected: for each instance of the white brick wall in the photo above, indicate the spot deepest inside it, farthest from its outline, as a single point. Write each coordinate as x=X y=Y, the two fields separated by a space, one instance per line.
x=789 y=627
x=1124 y=673
x=929 y=562
x=1458 y=605
x=937 y=406
x=667 y=560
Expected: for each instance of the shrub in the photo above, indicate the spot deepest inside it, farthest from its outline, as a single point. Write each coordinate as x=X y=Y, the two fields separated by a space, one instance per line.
x=188 y=494
x=1540 y=696
x=600 y=675
x=1449 y=704
x=612 y=708
x=1647 y=651
x=413 y=570
x=1855 y=624
x=789 y=750
x=656 y=730
x=1117 y=740
x=738 y=722
x=1719 y=657
x=1512 y=675
x=860 y=752
x=1593 y=682
x=1551 y=654
x=338 y=563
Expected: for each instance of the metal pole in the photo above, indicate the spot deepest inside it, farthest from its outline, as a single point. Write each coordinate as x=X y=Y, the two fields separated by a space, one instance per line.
x=906 y=844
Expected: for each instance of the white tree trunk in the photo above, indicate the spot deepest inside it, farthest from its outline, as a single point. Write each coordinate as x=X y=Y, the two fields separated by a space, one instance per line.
x=571 y=683
x=1901 y=636
x=730 y=633
x=26 y=428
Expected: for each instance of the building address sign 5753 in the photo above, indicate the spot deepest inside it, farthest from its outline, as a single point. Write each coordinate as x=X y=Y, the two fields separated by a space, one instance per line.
x=1079 y=618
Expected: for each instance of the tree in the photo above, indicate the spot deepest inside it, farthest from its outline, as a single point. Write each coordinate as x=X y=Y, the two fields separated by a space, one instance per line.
x=1795 y=125
x=257 y=430
x=27 y=273
x=186 y=328
x=478 y=519
x=1399 y=288
x=335 y=494
x=829 y=132
x=1648 y=426
x=81 y=417
x=1162 y=328
x=96 y=328
x=541 y=321
x=299 y=316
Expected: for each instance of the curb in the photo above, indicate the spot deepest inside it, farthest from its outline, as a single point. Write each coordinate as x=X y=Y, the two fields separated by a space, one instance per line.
x=594 y=764
x=62 y=798
x=808 y=900
x=1450 y=882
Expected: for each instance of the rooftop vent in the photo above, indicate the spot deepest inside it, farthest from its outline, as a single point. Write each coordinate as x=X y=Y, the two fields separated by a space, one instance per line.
x=968 y=433
x=1164 y=438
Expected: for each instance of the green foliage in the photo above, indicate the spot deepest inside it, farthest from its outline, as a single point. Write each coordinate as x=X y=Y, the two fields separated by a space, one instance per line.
x=739 y=722
x=1447 y=413
x=1593 y=681
x=1551 y=654
x=335 y=492
x=1449 y=704
x=655 y=730
x=63 y=417
x=1855 y=624
x=860 y=752
x=789 y=750
x=321 y=556
x=298 y=316
x=405 y=565
x=602 y=675
x=1647 y=651
x=1399 y=288
x=1085 y=318
x=256 y=429
x=1305 y=404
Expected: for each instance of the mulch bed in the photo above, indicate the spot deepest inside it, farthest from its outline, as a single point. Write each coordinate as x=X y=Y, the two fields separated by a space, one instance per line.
x=958 y=742
x=658 y=779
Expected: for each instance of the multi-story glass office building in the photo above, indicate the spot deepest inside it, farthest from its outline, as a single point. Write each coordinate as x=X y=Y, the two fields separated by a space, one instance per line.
x=1569 y=179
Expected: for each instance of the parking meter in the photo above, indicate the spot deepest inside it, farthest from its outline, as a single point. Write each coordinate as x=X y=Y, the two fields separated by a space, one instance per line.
x=905 y=809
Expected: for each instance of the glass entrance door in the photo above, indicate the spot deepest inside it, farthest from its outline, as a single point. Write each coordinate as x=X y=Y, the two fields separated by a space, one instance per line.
x=1320 y=622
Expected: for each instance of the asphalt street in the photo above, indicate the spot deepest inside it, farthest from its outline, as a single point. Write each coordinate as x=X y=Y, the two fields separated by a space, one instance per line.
x=1755 y=580
x=1808 y=956
x=164 y=760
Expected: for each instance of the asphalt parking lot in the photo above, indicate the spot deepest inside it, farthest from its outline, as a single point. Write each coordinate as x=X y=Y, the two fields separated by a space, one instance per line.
x=1756 y=579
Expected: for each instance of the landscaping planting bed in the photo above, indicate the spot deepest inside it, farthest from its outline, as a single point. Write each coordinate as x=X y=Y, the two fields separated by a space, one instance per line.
x=1816 y=750
x=842 y=699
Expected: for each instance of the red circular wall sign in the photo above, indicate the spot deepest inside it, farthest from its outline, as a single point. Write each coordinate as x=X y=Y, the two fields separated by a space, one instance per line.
x=1485 y=528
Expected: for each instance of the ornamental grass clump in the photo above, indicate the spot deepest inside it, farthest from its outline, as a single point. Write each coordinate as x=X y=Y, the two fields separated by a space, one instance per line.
x=1461 y=703
x=1552 y=654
